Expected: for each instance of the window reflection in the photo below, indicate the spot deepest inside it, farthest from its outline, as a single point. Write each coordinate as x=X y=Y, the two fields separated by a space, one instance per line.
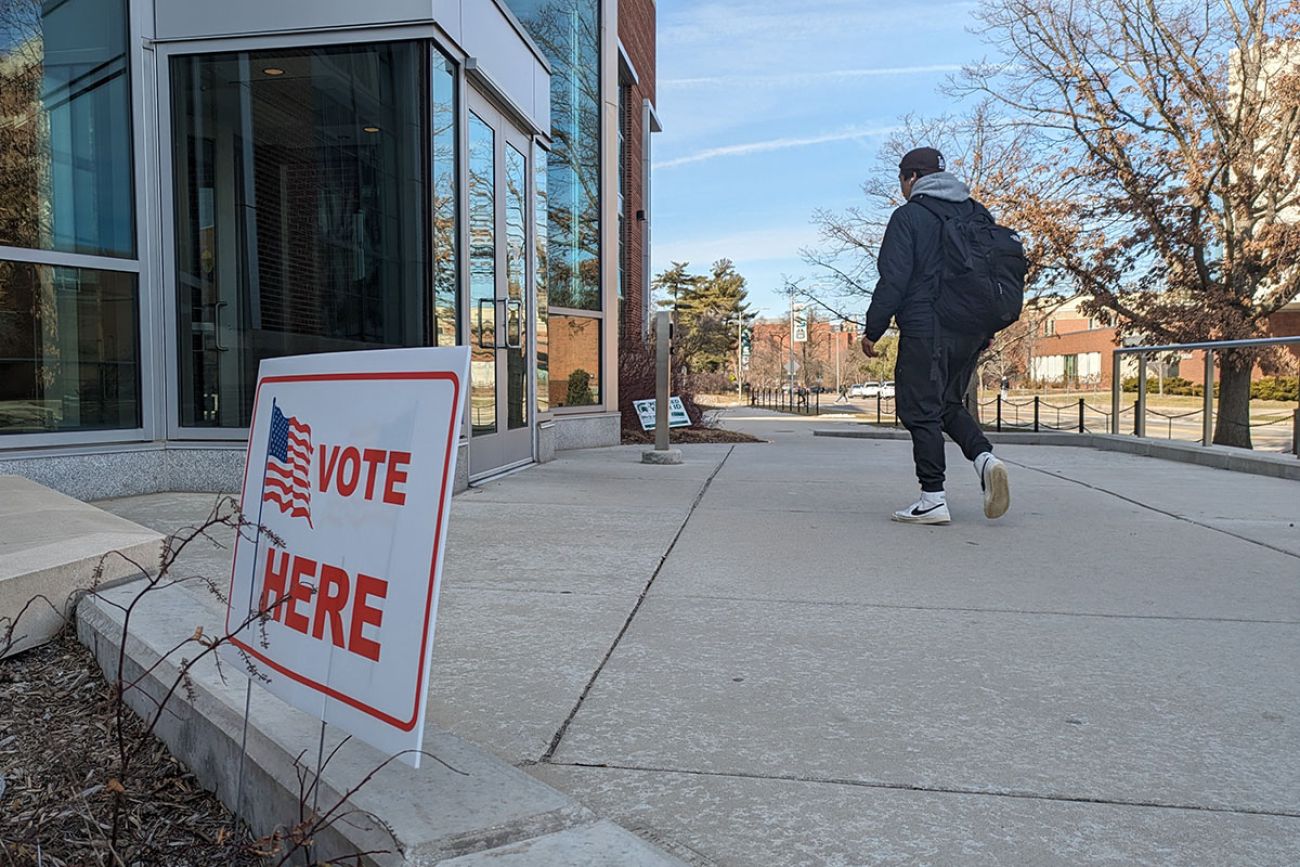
x=69 y=349
x=568 y=32
x=445 y=242
x=516 y=288
x=300 y=212
x=575 y=360
x=540 y=278
x=65 y=127
x=482 y=276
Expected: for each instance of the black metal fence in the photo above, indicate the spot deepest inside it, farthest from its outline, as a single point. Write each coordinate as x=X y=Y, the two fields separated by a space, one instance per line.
x=801 y=402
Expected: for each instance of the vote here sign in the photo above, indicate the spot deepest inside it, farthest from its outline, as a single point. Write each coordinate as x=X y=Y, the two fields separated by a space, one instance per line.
x=351 y=461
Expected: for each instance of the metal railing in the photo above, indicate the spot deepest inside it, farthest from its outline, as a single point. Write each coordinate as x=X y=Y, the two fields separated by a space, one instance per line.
x=1209 y=348
x=802 y=402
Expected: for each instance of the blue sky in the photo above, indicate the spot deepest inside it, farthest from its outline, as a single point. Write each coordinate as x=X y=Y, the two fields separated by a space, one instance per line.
x=775 y=108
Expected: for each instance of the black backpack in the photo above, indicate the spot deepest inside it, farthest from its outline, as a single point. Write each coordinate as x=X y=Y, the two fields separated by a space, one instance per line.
x=981 y=287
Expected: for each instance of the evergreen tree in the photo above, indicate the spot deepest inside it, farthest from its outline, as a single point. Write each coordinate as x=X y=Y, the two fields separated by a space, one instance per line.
x=706 y=308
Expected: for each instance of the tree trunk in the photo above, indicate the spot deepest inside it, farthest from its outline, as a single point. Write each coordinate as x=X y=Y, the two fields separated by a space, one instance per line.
x=1232 y=428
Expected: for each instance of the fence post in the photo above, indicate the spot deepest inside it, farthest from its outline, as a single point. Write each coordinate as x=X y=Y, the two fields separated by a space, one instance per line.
x=1207 y=401
x=1140 y=410
x=1116 y=384
x=878 y=417
x=1036 y=399
x=999 y=424
x=1295 y=433
x=1081 y=409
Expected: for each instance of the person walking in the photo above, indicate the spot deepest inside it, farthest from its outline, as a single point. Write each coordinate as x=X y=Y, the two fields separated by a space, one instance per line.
x=935 y=360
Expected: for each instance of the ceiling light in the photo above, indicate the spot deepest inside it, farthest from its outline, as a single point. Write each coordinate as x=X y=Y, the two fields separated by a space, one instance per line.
x=273 y=71
x=371 y=129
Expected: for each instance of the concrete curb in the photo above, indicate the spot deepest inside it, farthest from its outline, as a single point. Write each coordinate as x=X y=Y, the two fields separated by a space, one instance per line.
x=434 y=814
x=1219 y=457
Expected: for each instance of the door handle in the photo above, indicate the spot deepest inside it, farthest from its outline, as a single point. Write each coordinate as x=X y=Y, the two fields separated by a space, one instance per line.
x=216 y=326
x=517 y=306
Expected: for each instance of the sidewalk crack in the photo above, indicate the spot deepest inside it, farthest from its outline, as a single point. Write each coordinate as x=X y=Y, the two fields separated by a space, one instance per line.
x=591 y=682
x=1156 y=509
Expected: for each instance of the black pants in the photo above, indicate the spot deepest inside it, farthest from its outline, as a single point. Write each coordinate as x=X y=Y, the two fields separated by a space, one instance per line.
x=931 y=402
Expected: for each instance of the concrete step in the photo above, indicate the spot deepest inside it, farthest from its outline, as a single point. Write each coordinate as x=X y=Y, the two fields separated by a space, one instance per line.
x=487 y=811
x=52 y=545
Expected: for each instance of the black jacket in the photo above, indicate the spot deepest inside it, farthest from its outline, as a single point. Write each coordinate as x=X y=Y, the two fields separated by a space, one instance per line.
x=911 y=257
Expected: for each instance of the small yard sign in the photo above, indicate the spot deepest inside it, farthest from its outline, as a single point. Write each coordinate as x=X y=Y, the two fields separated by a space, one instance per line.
x=677 y=417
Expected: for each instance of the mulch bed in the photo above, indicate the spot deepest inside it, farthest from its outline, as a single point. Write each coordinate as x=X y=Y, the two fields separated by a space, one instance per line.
x=690 y=436
x=58 y=762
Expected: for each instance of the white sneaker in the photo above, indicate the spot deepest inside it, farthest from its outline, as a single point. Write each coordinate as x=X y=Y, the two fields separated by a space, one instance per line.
x=922 y=512
x=993 y=480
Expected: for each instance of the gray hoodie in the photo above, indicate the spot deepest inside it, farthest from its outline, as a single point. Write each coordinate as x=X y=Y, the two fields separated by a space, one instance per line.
x=941 y=185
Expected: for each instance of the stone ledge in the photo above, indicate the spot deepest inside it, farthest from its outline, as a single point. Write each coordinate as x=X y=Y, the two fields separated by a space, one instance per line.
x=435 y=815
x=1217 y=457
x=51 y=545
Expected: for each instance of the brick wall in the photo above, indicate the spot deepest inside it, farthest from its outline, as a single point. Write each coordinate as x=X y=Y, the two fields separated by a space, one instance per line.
x=636 y=30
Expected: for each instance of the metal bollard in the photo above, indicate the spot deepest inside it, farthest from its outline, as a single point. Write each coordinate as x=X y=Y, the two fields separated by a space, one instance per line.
x=1082 y=406
x=1036 y=413
x=999 y=423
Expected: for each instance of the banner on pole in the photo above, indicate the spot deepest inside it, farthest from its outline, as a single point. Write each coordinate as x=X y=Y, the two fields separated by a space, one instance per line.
x=351 y=462
x=799 y=325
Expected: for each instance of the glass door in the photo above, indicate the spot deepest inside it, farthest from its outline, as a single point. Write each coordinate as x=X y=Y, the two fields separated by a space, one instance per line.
x=499 y=227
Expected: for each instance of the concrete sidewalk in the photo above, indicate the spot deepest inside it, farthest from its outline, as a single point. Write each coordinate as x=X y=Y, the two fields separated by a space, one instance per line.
x=743 y=661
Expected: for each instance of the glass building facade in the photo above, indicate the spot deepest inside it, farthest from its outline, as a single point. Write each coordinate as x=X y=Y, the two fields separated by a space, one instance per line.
x=187 y=190
x=569 y=34
x=69 y=334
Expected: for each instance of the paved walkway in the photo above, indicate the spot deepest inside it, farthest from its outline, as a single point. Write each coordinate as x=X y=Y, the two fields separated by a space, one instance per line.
x=744 y=661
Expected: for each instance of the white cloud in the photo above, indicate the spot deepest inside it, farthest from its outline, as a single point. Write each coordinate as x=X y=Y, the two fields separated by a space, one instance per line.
x=803 y=78
x=776 y=144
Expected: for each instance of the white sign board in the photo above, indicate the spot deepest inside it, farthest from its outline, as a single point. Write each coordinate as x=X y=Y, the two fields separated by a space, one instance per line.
x=351 y=462
x=677 y=417
x=798 y=324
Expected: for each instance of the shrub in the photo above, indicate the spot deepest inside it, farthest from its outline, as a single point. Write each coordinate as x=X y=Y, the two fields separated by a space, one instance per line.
x=636 y=380
x=1286 y=388
x=579 y=392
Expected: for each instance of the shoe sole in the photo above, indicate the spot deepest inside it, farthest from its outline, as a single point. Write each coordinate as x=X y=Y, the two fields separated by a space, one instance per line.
x=925 y=519
x=997 y=492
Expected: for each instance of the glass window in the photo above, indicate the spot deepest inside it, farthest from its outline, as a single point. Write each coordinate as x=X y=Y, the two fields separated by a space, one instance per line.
x=482 y=276
x=65 y=127
x=540 y=274
x=446 y=330
x=69 y=349
x=300 y=212
x=516 y=288
x=575 y=360
x=568 y=32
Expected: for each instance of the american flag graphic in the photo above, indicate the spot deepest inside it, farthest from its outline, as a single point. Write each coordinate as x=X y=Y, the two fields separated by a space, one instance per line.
x=288 y=466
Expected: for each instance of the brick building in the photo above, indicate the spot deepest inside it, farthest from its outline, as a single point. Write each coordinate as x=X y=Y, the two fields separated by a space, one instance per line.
x=1069 y=348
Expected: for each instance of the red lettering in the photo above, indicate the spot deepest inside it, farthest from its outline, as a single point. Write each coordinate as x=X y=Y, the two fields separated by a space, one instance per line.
x=273 y=584
x=347 y=486
x=363 y=614
x=373 y=458
x=397 y=461
x=327 y=467
x=299 y=592
x=331 y=604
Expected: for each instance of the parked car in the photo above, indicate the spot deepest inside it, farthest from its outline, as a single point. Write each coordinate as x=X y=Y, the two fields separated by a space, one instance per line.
x=859 y=390
x=884 y=390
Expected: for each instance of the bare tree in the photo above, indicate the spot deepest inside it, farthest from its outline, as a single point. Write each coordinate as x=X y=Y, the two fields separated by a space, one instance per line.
x=1171 y=130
